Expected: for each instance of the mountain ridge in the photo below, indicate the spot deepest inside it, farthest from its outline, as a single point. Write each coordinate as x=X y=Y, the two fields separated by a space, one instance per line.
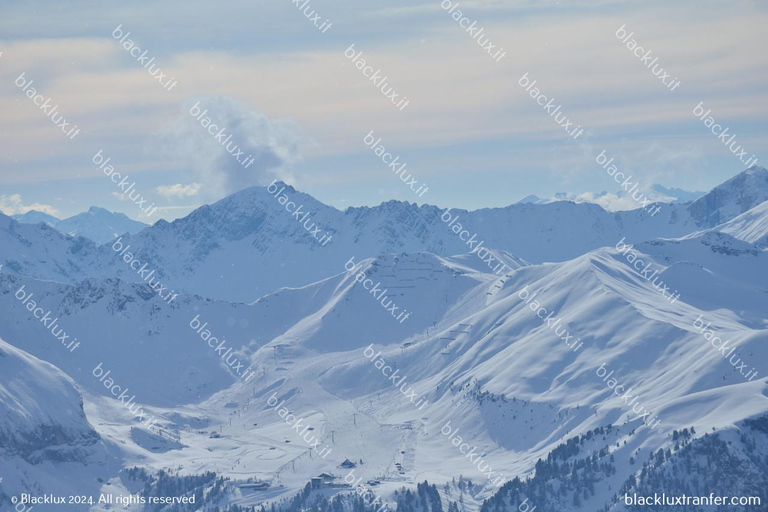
x=97 y=224
x=223 y=250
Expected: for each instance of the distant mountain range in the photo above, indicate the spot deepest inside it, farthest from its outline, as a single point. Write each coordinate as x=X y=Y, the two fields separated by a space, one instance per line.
x=35 y=217
x=619 y=201
x=222 y=250
x=96 y=224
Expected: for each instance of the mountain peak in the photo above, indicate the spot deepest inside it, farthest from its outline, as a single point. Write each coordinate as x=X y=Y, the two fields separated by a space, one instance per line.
x=756 y=170
x=532 y=198
x=731 y=198
x=36 y=217
x=259 y=193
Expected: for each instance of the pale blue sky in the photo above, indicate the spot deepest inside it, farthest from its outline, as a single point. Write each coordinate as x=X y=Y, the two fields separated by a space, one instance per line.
x=285 y=89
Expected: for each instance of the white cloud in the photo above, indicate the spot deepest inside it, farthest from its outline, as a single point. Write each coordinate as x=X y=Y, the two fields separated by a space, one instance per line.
x=13 y=204
x=275 y=144
x=178 y=190
x=119 y=196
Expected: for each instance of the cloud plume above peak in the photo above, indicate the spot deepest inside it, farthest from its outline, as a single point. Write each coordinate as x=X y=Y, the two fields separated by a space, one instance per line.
x=251 y=149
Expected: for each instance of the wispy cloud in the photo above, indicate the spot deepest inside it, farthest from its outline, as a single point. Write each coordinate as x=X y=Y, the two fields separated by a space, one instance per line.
x=13 y=204
x=178 y=190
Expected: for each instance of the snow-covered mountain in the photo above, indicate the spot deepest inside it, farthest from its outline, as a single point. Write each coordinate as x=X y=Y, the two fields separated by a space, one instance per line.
x=472 y=349
x=515 y=387
x=44 y=431
x=532 y=198
x=248 y=244
x=96 y=224
x=40 y=409
x=619 y=200
x=675 y=195
x=751 y=226
x=397 y=338
x=35 y=217
x=43 y=252
x=732 y=198
x=128 y=329
x=99 y=225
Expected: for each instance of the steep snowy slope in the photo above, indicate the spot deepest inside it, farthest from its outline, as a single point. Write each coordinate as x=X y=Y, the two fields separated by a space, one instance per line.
x=43 y=252
x=475 y=260
x=126 y=329
x=40 y=409
x=513 y=384
x=751 y=226
x=473 y=355
x=732 y=198
x=163 y=352
x=713 y=271
x=379 y=300
x=46 y=443
x=514 y=388
x=308 y=330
